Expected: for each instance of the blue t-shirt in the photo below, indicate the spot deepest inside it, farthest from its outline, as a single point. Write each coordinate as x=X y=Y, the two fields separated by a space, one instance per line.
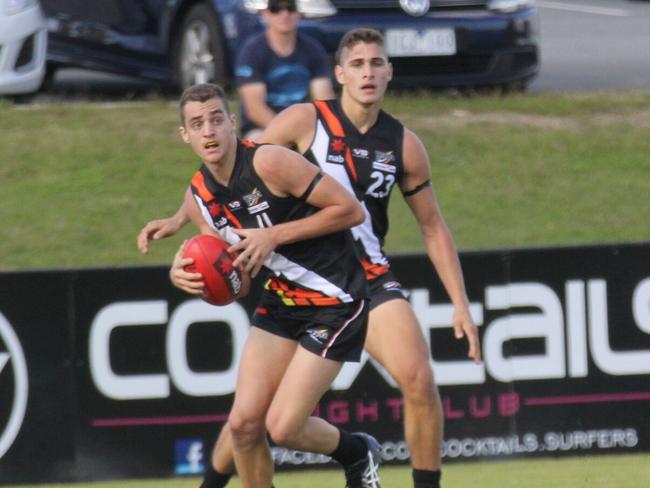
x=286 y=78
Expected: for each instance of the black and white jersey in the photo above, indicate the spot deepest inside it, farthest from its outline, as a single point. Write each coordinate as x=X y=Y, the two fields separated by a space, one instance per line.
x=321 y=271
x=369 y=165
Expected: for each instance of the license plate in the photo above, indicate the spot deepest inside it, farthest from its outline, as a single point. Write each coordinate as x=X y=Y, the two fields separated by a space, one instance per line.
x=429 y=42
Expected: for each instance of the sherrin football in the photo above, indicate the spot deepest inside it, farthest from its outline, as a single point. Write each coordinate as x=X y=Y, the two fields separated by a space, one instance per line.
x=223 y=282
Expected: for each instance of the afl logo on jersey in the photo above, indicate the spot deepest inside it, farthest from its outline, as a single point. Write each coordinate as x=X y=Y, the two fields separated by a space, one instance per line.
x=384 y=157
x=253 y=198
x=234 y=205
x=254 y=202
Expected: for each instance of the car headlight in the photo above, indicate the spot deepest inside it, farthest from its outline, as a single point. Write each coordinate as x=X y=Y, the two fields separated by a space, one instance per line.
x=308 y=8
x=12 y=7
x=509 y=5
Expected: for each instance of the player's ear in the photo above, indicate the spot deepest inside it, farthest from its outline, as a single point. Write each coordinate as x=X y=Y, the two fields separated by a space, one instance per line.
x=184 y=135
x=390 y=71
x=338 y=74
x=233 y=121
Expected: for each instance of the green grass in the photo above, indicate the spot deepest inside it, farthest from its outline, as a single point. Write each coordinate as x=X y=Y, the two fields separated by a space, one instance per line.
x=78 y=181
x=612 y=471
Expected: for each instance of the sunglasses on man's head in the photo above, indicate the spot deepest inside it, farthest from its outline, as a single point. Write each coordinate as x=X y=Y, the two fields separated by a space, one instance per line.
x=276 y=9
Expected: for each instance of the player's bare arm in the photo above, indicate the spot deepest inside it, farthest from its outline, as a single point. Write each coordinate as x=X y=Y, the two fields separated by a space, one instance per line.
x=438 y=240
x=321 y=89
x=286 y=173
x=294 y=127
x=253 y=100
x=155 y=230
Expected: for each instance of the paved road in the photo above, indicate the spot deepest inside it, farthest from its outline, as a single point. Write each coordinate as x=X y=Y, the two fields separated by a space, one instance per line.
x=585 y=45
x=594 y=45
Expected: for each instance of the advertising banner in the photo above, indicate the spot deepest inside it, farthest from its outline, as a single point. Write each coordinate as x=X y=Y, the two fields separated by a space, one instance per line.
x=113 y=373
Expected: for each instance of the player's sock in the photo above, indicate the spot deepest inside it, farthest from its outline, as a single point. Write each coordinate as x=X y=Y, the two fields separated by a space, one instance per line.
x=214 y=479
x=424 y=478
x=350 y=449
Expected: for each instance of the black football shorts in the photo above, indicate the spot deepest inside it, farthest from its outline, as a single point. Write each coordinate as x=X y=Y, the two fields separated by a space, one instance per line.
x=335 y=332
x=384 y=288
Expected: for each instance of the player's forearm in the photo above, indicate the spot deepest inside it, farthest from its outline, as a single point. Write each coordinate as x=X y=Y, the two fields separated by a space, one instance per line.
x=328 y=220
x=181 y=217
x=444 y=256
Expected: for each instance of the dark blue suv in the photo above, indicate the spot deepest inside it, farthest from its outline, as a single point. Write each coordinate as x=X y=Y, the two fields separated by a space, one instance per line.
x=431 y=43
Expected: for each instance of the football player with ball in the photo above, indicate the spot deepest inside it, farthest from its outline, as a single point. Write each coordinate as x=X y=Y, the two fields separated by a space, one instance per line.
x=277 y=210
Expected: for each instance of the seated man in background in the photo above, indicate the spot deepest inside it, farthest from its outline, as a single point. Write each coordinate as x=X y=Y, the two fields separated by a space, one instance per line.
x=279 y=67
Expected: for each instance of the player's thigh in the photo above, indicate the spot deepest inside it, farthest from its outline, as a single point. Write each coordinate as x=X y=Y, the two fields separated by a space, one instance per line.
x=263 y=363
x=305 y=381
x=395 y=340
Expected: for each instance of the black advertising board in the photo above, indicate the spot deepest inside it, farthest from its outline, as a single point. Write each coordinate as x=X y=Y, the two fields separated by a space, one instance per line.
x=112 y=373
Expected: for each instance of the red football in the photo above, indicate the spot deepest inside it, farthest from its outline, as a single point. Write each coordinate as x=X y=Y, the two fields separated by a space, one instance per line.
x=223 y=282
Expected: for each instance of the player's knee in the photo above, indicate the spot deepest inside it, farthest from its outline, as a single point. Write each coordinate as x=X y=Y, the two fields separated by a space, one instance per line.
x=245 y=429
x=417 y=383
x=282 y=433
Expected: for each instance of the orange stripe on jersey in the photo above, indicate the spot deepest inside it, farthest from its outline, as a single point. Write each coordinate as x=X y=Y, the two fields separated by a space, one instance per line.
x=373 y=270
x=198 y=182
x=231 y=217
x=350 y=164
x=335 y=126
x=299 y=296
x=332 y=122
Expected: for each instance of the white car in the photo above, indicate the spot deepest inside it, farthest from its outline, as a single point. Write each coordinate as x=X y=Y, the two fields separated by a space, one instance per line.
x=23 y=45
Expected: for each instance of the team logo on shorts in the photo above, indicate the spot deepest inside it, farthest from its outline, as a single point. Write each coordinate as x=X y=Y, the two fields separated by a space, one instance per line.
x=14 y=385
x=320 y=334
x=392 y=286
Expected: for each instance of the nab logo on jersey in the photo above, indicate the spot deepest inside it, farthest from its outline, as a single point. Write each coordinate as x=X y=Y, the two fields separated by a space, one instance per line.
x=335 y=154
x=335 y=158
x=13 y=385
x=337 y=145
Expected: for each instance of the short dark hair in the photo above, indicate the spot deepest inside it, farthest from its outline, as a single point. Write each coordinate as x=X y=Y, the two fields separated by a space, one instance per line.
x=356 y=36
x=202 y=93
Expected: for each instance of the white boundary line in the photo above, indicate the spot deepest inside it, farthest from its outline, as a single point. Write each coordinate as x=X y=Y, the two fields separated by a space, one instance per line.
x=587 y=9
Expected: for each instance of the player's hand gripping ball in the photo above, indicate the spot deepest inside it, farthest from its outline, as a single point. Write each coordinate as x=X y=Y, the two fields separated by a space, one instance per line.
x=223 y=282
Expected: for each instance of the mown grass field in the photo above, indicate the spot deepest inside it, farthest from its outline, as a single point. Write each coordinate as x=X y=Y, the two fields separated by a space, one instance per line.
x=78 y=181
x=614 y=471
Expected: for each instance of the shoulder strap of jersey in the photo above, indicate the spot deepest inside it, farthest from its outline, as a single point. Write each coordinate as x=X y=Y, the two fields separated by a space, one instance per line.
x=334 y=128
x=200 y=188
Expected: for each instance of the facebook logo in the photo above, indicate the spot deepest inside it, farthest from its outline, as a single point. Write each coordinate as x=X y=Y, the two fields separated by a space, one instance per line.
x=189 y=456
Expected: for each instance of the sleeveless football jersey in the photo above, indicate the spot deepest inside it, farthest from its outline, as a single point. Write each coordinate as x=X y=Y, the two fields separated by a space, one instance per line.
x=321 y=271
x=369 y=165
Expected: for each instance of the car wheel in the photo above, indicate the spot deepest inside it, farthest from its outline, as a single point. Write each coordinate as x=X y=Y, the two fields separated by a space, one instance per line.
x=198 y=55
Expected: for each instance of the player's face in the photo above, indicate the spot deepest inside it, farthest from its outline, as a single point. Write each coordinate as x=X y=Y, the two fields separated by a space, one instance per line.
x=364 y=72
x=209 y=130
